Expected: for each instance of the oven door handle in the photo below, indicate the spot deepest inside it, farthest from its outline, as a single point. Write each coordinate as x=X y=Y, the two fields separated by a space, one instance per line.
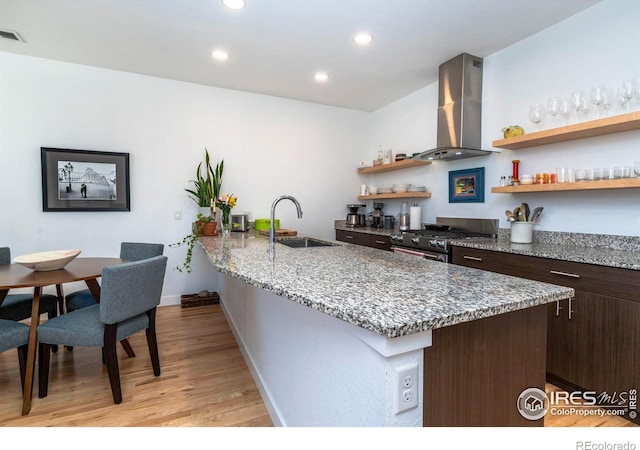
x=419 y=254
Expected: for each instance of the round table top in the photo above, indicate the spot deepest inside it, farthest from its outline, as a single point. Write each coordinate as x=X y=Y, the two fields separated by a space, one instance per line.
x=13 y=276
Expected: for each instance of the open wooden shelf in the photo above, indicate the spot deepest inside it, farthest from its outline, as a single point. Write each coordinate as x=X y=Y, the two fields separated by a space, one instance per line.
x=395 y=195
x=598 y=127
x=624 y=183
x=404 y=164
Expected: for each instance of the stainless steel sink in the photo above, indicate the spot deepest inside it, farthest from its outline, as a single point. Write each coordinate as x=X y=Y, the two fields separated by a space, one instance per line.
x=304 y=242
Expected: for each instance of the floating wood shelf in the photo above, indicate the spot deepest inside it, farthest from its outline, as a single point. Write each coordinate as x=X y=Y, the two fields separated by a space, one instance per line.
x=395 y=195
x=598 y=127
x=625 y=183
x=404 y=164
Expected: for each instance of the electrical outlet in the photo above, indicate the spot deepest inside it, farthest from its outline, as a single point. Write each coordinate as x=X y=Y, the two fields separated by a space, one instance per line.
x=406 y=387
x=177 y=215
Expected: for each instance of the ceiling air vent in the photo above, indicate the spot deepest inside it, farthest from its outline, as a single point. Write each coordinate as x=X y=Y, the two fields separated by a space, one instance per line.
x=12 y=35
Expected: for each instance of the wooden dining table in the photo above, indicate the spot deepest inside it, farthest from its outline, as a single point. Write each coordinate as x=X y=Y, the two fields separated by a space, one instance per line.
x=14 y=276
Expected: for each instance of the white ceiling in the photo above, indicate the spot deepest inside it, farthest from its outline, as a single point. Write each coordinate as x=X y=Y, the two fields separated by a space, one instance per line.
x=276 y=46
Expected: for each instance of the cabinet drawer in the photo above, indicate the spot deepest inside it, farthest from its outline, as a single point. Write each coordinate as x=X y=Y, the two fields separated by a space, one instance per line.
x=366 y=239
x=478 y=259
x=611 y=281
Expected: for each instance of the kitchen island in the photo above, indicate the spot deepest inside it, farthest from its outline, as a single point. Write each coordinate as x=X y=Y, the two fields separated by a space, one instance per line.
x=326 y=331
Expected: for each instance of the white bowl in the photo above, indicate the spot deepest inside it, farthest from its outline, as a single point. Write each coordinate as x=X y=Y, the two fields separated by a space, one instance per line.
x=373 y=190
x=401 y=186
x=45 y=261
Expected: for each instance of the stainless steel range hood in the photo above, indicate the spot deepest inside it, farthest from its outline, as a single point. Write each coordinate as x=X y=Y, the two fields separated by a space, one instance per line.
x=459 y=110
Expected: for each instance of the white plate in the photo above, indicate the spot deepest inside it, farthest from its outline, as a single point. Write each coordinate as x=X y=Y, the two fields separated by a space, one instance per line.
x=417 y=189
x=45 y=261
x=384 y=190
x=398 y=190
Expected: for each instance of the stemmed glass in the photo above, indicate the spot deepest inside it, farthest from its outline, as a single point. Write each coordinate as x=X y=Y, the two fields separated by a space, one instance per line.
x=636 y=168
x=608 y=100
x=536 y=115
x=565 y=110
x=577 y=103
x=553 y=108
x=597 y=97
x=628 y=91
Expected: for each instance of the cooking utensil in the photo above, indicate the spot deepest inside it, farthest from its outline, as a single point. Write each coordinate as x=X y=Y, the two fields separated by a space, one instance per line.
x=535 y=215
x=516 y=212
x=525 y=207
x=510 y=216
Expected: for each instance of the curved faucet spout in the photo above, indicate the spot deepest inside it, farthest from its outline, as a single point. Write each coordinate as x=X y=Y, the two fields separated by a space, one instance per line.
x=272 y=224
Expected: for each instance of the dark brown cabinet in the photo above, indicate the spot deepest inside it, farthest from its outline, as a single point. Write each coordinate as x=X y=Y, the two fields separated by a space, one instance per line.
x=593 y=339
x=366 y=239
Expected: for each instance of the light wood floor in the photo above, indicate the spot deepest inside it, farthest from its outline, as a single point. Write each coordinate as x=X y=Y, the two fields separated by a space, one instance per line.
x=204 y=382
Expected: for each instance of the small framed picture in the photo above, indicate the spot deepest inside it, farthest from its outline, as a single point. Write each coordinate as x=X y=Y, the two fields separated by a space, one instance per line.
x=466 y=186
x=84 y=180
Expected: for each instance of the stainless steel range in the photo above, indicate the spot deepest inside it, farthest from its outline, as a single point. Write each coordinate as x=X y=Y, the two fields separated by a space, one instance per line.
x=433 y=241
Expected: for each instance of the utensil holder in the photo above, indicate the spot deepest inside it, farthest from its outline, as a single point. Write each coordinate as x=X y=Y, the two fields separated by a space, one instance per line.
x=522 y=232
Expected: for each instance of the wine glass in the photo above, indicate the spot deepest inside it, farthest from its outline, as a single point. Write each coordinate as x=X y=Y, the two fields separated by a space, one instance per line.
x=621 y=100
x=586 y=110
x=636 y=168
x=536 y=114
x=597 y=97
x=577 y=103
x=565 y=110
x=628 y=91
x=553 y=108
x=608 y=100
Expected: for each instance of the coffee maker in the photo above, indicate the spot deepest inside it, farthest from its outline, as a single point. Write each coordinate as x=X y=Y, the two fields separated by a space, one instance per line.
x=355 y=218
x=377 y=216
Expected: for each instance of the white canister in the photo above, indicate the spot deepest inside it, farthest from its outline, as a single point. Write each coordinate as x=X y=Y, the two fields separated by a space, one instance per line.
x=522 y=232
x=387 y=157
x=364 y=190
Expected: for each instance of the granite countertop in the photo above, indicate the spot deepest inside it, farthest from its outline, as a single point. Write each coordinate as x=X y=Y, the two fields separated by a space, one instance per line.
x=387 y=293
x=601 y=256
x=600 y=249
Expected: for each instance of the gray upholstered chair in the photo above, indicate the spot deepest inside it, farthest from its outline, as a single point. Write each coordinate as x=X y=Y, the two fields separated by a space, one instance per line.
x=129 y=296
x=18 y=306
x=132 y=251
x=15 y=335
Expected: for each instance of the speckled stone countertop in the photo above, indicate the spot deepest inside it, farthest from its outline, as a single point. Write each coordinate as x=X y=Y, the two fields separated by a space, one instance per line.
x=600 y=249
x=387 y=293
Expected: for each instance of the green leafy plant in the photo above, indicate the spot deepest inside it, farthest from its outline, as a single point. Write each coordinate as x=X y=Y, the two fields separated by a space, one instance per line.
x=206 y=186
x=190 y=241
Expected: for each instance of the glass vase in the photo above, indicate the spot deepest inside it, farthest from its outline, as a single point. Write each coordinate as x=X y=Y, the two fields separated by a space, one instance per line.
x=226 y=223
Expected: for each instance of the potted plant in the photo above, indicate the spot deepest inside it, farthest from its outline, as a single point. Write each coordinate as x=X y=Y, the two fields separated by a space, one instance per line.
x=203 y=226
x=206 y=186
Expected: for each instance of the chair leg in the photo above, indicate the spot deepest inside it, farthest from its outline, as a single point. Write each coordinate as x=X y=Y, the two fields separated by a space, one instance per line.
x=152 y=342
x=60 y=296
x=111 y=358
x=44 y=356
x=51 y=315
x=127 y=348
x=22 y=362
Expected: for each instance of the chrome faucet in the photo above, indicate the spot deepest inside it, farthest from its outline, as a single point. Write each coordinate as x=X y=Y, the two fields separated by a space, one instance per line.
x=272 y=224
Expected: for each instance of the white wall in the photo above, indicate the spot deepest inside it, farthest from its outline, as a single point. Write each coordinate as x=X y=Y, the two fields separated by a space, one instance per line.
x=270 y=147
x=599 y=45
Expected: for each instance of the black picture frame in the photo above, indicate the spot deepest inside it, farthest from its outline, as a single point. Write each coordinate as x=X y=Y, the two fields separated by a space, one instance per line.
x=466 y=186
x=84 y=180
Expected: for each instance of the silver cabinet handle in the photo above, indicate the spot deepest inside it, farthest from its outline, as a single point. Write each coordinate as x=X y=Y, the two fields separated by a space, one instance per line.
x=428 y=256
x=558 y=308
x=565 y=274
x=472 y=258
x=348 y=237
x=380 y=242
x=570 y=308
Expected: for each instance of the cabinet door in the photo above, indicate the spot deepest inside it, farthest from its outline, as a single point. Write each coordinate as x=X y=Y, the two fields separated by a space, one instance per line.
x=349 y=236
x=562 y=340
x=376 y=241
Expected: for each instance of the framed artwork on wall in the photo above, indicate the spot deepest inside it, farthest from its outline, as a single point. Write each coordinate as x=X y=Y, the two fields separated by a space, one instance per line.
x=84 y=180
x=466 y=186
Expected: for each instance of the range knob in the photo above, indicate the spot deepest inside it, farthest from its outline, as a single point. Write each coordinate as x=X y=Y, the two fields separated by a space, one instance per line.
x=395 y=237
x=415 y=240
x=436 y=243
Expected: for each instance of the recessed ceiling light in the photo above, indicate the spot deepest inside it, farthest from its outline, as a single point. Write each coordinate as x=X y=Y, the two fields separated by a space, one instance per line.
x=362 y=38
x=234 y=4
x=220 y=55
x=321 y=76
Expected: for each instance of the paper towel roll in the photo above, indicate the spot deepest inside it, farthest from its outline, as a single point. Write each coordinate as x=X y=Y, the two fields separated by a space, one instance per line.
x=415 y=218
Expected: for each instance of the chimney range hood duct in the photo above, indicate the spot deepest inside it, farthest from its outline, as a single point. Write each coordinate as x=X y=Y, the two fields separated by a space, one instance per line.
x=459 y=110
